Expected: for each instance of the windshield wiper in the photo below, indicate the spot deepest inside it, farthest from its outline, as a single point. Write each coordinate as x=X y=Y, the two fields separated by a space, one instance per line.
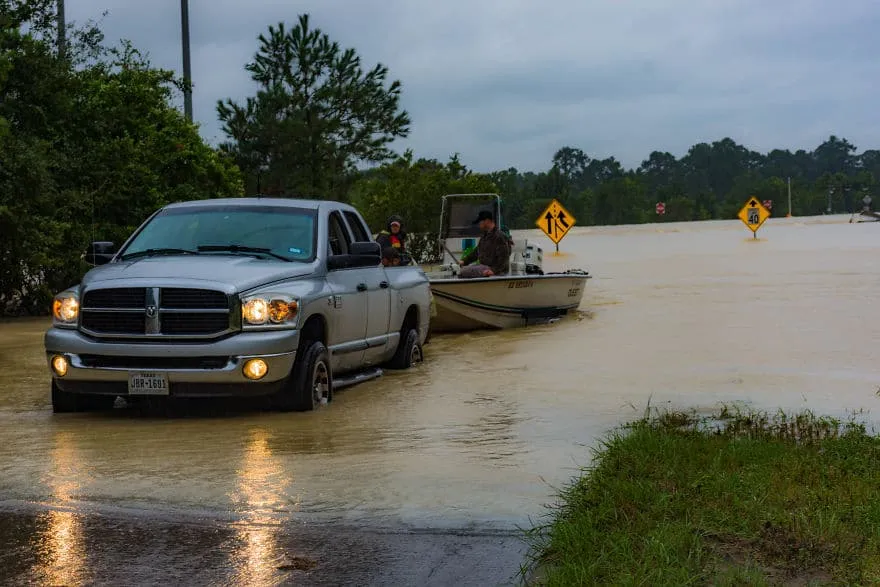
x=159 y=251
x=241 y=249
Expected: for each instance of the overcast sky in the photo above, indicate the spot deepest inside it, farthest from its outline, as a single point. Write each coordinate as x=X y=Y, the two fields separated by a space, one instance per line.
x=507 y=82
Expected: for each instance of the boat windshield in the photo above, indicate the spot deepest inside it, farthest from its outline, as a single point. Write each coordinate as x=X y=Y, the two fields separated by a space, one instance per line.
x=460 y=213
x=281 y=233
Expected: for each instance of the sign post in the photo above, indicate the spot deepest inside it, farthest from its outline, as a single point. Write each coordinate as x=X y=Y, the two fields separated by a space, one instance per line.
x=555 y=221
x=753 y=215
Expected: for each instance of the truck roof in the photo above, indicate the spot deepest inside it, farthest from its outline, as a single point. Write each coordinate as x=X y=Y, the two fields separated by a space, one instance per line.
x=287 y=202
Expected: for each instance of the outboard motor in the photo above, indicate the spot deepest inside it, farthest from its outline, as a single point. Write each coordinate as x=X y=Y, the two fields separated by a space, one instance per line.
x=533 y=257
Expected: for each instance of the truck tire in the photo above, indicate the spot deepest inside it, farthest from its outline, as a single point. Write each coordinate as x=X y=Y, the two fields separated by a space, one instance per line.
x=409 y=350
x=310 y=384
x=64 y=403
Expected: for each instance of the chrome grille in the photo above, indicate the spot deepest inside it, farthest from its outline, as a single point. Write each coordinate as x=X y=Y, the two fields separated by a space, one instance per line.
x=156 y=312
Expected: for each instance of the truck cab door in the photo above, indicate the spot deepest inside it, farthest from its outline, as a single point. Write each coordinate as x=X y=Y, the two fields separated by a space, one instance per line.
x=378 y=316
x=378 y=294
x=348 y=304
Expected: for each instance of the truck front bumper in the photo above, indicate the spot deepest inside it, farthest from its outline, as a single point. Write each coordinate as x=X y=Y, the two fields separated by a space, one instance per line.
x=204 y=369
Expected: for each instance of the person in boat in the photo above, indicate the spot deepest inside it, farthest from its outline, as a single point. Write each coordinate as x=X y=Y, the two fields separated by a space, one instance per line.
x=492 y=253
x=393 y=235
x=390 y=257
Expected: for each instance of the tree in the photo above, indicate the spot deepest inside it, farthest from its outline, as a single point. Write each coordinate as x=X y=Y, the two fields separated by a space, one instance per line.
x=125 y=133
x=834 y=156
x=5 y=68
x=89 y=152
x=572 y=163
x=316 y=116
x=622 y=200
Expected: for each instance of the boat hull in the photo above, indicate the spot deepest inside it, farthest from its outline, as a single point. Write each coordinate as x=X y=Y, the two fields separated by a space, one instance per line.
x=504 y=302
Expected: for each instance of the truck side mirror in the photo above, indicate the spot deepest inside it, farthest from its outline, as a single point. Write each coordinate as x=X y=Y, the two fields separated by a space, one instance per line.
x=367 y=250
x=361 y=254
x=100 y=253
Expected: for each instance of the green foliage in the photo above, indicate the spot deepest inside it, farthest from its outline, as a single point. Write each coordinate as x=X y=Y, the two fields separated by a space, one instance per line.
x=91 y=145
x=316 y=115
x=710 y=181
x=414 y=189
x=738 y=498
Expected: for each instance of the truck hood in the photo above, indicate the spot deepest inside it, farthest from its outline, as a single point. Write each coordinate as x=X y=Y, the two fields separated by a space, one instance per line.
x=229 y=273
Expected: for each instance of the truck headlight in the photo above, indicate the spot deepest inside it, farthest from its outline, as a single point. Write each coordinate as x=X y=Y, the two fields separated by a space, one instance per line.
x=65 y=308
x=268 y=309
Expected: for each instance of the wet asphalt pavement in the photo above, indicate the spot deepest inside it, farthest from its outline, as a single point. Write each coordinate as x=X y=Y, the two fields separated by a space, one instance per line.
x=51 y=546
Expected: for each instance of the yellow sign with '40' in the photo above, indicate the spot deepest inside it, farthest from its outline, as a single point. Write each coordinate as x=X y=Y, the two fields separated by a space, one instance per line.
x=555 y=221
x=753 y=215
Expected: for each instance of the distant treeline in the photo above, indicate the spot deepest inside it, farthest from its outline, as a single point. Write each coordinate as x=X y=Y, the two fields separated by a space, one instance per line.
x=711 y=181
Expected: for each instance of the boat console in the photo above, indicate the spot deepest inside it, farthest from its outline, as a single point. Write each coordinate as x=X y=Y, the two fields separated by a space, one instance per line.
x=458 y=234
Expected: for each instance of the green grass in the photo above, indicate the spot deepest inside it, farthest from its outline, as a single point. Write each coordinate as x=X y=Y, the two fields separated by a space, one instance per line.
x=736 y=498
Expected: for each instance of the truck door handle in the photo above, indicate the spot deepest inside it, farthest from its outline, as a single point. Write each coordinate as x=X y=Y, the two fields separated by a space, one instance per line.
x=362 y=287
x=383 y=284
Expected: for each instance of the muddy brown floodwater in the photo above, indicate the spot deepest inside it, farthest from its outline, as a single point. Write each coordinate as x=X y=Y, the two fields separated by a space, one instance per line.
x=473 y=441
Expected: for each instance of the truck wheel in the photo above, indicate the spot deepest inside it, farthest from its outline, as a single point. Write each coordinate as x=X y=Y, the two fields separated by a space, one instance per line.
x=409 y=351
x=63 y=403
x=311 y=383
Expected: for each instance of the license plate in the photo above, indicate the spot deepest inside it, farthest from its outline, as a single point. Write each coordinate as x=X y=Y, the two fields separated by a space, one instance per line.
x=147 y=383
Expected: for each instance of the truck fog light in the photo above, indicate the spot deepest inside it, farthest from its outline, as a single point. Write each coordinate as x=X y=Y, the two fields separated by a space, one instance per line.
x=60 y=365
x=255 y=369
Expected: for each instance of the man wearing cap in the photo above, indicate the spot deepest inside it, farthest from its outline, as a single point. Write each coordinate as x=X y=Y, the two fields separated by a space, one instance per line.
x=492 y=253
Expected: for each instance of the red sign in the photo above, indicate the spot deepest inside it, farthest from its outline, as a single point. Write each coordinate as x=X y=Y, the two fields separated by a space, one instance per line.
x=768 y=204
x=661 y=208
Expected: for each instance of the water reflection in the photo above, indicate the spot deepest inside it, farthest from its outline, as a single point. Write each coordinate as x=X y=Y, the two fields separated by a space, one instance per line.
x=61 y=544
x=260 y=495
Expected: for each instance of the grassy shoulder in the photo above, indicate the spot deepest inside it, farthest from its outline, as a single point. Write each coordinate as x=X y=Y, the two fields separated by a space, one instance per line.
x=737 y=498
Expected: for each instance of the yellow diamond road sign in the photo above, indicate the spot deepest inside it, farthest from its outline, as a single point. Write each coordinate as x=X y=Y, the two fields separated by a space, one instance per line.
x=555 y=221
x=753 y=214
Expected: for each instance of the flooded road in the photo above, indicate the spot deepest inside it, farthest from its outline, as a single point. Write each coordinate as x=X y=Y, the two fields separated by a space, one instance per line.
x=476 y=438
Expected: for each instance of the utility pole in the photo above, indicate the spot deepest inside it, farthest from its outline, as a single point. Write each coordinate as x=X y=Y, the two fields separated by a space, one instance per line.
x=62 y=26
x=187 y=69
x=789 y=197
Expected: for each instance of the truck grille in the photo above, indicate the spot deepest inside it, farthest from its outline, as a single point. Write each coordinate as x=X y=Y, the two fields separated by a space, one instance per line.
x=156 y=312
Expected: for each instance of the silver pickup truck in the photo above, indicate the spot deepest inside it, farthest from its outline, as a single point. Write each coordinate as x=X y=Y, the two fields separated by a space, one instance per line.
x=236 y=297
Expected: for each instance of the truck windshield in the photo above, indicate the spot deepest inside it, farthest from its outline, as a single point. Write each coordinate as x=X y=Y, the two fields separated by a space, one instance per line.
x=270 y=232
